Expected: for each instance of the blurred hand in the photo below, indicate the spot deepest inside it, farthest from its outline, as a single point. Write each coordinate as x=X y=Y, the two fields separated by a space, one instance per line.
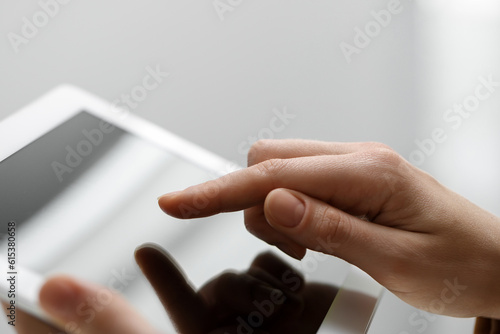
x=367 y=205
x=78 y=307
x=270 y=297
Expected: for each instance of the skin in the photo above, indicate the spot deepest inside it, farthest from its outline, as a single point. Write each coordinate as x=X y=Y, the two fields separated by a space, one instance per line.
x=364 y=203
x=61 y=295
x=290 y=305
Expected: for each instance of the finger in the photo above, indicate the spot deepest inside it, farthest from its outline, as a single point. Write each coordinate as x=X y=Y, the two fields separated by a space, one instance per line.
x=255 y=222
x=319 y=226
x=356 y=183
x=87 y=308
x=27 y=324
x=279 y=269
x=266 y=149
x=184 y=306
x=232 y=294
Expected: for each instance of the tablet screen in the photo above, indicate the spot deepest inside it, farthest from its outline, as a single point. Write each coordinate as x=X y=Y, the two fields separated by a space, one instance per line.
x=36 y=174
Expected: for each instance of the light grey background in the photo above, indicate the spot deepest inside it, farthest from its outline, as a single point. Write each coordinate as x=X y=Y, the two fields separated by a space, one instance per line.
x=228 y=77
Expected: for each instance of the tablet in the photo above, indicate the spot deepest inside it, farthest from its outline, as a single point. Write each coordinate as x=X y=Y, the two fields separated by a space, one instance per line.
x=78 y=179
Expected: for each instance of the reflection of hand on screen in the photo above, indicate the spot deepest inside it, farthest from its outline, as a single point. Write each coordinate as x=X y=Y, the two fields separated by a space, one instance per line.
x=270 y=297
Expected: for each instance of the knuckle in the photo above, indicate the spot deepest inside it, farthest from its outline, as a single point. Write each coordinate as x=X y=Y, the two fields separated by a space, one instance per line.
x=271 y=169
x=389 y=170
x=259 y=151
x=385 y=160
x=384 y=155
x=378 y=145
x=333 y=224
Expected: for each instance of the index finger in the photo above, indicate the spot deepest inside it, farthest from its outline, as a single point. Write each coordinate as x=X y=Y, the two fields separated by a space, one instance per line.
x=345 y=181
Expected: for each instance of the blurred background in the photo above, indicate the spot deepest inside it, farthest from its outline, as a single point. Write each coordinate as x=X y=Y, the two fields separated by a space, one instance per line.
x=405 y=73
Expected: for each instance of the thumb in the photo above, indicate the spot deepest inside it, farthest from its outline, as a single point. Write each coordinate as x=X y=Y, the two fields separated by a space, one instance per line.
x=82 y=307
x=317 y=225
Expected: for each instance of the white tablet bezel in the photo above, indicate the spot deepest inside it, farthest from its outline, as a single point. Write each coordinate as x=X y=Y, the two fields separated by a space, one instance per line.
x=64 y=102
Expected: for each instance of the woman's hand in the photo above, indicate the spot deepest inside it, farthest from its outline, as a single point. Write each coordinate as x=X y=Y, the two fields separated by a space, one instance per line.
x=78 y=307
x=365 y=204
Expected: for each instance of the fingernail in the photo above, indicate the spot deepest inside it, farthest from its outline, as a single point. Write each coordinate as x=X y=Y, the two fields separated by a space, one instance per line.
x=285 y=209
x=59 y=298
x=169 y=195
